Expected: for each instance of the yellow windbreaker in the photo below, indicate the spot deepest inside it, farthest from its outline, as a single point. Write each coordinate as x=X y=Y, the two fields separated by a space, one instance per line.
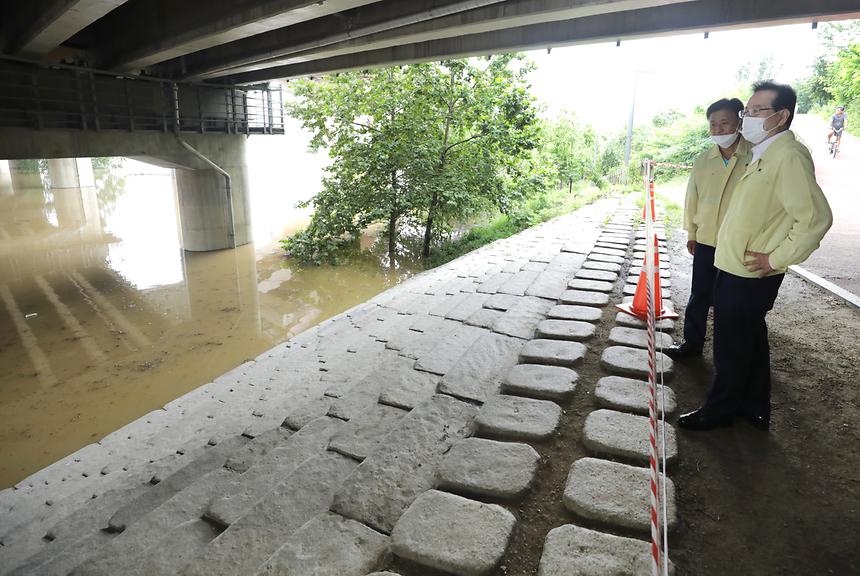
x=710 y=189
x=777 y=208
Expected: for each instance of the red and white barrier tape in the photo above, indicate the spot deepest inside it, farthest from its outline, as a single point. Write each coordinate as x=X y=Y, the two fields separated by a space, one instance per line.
x=657 y=491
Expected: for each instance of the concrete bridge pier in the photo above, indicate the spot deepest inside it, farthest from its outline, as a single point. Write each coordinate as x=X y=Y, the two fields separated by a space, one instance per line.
x=24 y=174
x=213 y=217
x=5 y=179
x=71 y=173
x=75 y=198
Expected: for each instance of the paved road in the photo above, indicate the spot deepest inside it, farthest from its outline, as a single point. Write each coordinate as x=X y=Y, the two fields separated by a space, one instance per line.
x=836 y=260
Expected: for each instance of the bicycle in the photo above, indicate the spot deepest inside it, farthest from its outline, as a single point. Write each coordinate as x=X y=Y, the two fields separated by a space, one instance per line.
x=834 y=145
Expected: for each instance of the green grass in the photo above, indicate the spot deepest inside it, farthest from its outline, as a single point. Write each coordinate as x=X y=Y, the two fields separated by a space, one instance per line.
x=536 y=210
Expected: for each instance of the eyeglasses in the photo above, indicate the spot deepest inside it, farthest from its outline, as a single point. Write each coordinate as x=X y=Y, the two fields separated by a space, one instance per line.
x=752 y=111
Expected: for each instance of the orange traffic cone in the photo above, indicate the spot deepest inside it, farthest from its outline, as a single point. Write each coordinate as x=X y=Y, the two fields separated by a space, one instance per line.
x=639 y=306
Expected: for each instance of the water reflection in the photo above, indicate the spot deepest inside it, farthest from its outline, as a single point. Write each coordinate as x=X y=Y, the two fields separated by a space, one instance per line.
x=103 y=317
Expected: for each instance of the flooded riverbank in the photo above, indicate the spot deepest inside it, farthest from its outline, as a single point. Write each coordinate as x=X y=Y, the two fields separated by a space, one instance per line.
x=104 y=318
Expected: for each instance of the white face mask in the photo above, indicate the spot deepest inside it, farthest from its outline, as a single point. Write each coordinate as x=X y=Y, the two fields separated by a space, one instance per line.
x=753 y=129
x=724 y=140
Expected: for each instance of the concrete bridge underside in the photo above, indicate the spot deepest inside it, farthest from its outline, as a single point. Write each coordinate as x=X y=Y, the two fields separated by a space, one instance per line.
x=241 y=41
x=132 y=77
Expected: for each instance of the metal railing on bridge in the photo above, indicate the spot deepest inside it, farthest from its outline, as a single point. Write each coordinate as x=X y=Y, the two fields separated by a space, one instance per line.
x=63 y=97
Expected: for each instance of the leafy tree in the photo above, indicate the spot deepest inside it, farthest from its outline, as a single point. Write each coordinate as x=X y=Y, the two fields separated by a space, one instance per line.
x=425 y=144
x=484 y=124
x=843 y=80
x=376 y=134
x=570 y=150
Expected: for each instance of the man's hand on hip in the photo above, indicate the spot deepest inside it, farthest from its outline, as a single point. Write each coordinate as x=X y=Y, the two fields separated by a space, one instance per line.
x=758 y=262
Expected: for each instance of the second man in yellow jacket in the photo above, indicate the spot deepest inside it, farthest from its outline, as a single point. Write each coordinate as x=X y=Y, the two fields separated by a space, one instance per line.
x=710 y=188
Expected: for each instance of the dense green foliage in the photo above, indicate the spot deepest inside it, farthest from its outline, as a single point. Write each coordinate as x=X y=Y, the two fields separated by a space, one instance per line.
x=537 y=209
x=835 y=78
x=425 y=145
x=672 y=137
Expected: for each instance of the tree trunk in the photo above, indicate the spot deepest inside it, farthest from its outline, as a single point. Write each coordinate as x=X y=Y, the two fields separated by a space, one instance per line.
x=392 y=223
x=570 y=185
x=392 y=241
x=428 y=226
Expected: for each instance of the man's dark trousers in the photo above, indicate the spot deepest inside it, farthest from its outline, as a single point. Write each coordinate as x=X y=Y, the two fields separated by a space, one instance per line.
x=741 y=350
x=701 y=297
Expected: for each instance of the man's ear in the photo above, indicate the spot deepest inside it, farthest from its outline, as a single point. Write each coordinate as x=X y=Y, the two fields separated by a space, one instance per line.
x=784 y=117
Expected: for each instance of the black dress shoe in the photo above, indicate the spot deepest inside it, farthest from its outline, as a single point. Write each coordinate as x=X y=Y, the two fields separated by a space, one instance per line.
x=682 y=350
x=701 y=420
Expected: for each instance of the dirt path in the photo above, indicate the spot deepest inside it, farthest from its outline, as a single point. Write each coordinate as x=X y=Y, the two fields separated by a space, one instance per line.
x=786 y=502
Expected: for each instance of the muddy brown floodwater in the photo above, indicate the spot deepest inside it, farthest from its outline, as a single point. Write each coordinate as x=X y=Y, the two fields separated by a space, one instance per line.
x=104 y=318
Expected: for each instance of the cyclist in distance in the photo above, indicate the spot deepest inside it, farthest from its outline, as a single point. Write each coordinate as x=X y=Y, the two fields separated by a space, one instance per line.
x=837 y=124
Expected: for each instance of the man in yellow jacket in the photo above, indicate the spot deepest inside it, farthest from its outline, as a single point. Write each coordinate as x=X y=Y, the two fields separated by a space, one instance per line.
x=777 y=217
x=709 y=191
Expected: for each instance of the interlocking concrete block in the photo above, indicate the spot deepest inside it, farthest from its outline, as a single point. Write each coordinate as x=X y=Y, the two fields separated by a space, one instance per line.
x=172 y=550
x=212 y=459
x=521 y=320
x=492 y=284
x=328 y=545
x=633 y=362
x=484 y=318
x=637 y=338
x=489 y=468
x=447 y=349
x=363 y=435
x=572 y=549
x=590 y=285
x=615 y=494
x=566 y=262
x=402 y=386
x=478 y=373
x=607 y=266
x=575 y=312
x=594 y=257
x=584 y=297
x=518 y=284
x=186 y=506
x=601 y=275
x=303 y=414
x=553 y=352
x=565 y=330
x=344 y=371
x=387 y=482
x=629 y=395
x=515 y=417
x=29 y=546
x=455 y=534
x=469 y=304
x=549 y=284
x=534 y=266
x=262 y=477
x=582 y=247
x=501 y=301
x=624 y=435
x=537 y=381
x=609 y=251
x=251 y=540
x=624 y=319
